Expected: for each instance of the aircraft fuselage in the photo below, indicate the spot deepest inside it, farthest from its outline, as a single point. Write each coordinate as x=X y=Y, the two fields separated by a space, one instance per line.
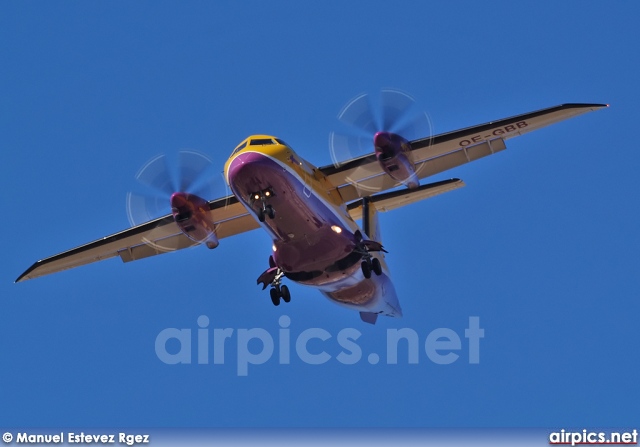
x=315 y=241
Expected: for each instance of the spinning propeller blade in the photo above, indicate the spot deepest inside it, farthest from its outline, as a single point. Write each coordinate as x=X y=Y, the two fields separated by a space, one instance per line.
x=161 y=177
x=366 y=115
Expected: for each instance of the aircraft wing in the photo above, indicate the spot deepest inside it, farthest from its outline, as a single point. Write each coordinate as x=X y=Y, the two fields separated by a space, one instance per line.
x=152 y=238
x=363 y=176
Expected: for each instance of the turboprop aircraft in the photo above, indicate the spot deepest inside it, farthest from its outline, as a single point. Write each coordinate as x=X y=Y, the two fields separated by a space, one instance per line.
x=310 y=212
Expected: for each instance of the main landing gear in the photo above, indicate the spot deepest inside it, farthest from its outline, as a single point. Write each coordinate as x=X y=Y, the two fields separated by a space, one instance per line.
x=279 y=291
x=273 y=276
x=369 y=263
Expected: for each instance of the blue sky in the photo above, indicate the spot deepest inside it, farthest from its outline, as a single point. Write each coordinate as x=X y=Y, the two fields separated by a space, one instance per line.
x=542 y=244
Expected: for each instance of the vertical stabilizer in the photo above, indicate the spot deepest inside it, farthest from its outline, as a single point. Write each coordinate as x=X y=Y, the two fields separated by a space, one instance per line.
x=370 y=220
x=369 y=317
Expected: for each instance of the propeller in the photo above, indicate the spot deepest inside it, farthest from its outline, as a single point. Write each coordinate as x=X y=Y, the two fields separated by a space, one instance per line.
x=361 y=119
x=174 y=180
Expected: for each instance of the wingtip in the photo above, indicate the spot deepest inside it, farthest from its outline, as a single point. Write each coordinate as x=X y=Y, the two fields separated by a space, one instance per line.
x=20 y=278
x=24 y=276
x=582 y=105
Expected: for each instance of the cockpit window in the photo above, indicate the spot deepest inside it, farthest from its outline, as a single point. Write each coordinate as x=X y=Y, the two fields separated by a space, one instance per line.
x=261 y=141
x=282 y=142
x=239 y=148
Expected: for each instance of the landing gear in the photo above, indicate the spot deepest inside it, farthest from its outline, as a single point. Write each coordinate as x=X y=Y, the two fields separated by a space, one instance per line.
x=266 y=210
x=270 y=212
x=286 y=295
x=371 y=265
x=273 y=276
x=376 y=267
x=275 y=296
x=366 y=268
x=260 y=199
x=278 y=292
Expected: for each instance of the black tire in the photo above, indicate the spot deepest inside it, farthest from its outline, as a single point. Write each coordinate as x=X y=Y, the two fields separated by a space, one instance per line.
x=376 y=267
x=286 y=295
x=271 y=212
x=366 y=269
x=275 y=296
x=261 y=216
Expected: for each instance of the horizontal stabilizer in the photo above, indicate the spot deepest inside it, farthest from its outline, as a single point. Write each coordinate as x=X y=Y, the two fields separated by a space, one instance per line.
x=395 y=199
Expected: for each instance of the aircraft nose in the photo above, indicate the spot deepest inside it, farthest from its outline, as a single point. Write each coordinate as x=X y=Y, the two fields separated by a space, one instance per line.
x=251 y=165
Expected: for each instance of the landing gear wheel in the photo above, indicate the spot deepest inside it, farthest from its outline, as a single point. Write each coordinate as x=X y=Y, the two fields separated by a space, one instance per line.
x=366 y=269
x=284 y=292
x=376 y=267
x=275 y=296
x=271 y=212
x=261 y=215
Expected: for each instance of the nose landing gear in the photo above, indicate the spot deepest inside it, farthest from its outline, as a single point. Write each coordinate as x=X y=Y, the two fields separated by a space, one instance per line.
x=265 y=209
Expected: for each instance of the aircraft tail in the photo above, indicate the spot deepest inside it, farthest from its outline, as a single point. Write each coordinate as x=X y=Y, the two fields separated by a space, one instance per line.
x=369 y=317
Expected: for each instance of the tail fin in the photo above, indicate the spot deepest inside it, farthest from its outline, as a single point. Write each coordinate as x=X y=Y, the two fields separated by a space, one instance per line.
x=369 y=317
x=370 y=219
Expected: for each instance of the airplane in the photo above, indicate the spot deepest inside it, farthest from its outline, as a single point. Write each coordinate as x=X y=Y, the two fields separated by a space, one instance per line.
x=310 y=212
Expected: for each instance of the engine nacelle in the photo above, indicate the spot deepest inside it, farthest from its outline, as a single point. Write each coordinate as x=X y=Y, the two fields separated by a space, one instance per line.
x=191 y=213
x=394 y=155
